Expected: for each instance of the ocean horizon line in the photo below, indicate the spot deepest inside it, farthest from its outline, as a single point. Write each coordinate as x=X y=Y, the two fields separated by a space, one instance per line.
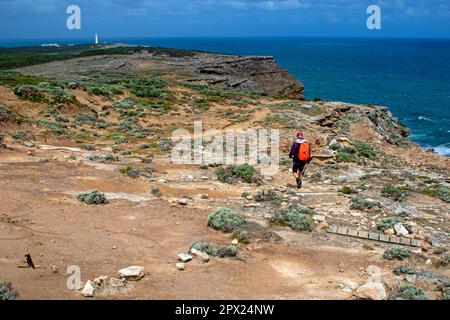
x=230 y=37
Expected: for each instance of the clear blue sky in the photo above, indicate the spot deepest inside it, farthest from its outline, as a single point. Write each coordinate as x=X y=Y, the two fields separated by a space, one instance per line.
x=21 y=19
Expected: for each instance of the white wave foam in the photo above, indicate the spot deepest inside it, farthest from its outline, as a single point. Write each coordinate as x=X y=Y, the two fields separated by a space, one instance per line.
x=425 y=118
x=443 y=150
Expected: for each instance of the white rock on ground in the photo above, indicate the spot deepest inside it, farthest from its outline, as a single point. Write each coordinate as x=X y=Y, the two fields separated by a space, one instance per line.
x=350 y=284
x=401 y=230
x=88 y=290
x=180 y=266
x=203 y=256
x=183 y=257
x=133 y=273
x=371 y=291
x=235 y=242
x=319 y=218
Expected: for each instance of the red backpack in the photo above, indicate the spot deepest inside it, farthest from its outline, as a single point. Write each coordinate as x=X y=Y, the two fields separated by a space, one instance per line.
x=304 y=151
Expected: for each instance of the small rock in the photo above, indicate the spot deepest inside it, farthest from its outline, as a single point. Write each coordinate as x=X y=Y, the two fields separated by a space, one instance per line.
x=389 y=232
x=28 y=144
x=114 y=247
x=162 y=181
x=133 y=273
x=371 y=291
x=425 y=246
x=428 y=262
x=183 y=201
x=147 y=160
x=203 y=256
x=235 y=242
x=88 y=290
x=319 y=218
x=411 y=278
x=98 y=281
x=184 y=257
x=400 y=230
x=180 y=266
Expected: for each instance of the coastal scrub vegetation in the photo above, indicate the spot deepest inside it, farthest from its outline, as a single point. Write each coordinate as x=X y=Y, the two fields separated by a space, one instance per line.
x=27 y=56
x=410 y=292
x=234 y=173
x=296 y=217
x=358 y=151
x=396 y=253
x=92 y=197
x=396 y=192
x=225 y=220
x=221 y=251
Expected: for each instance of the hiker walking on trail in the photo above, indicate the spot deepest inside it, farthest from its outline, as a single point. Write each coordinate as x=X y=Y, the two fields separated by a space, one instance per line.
x=301 y=156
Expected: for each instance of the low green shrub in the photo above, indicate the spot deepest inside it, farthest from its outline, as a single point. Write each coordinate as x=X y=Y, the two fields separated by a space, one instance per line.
x=44 y=92
x=5 y=114
x=347 y=190
x=85 y=118
x=365 y=150
x=298 y=218
x=225 y=220
x=232 y=174
x=19 y=135
x=410 y=292
x=156 y=192
x=440 y=250
x=444 y=262
x=227 y=251
x=148 y=87
x=61 y=118
x=359 y=203
x=130 y=171
x=386 y=224
x=404 y=269
x=396 y=253
x=266 y=195
x=221 y=252
x=6 y=292
x=108 y=157
x=346 y=155
x=92 y=197
x=203 y=247
x=398 y=193
x=445 y=289
x=88 y=147
x=242 y=236
x=444 y=194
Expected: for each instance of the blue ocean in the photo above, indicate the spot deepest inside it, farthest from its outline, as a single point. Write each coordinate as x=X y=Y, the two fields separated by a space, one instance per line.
x=410 y=76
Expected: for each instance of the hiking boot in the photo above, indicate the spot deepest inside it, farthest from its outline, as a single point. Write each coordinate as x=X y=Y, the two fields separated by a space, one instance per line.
x=299 y=183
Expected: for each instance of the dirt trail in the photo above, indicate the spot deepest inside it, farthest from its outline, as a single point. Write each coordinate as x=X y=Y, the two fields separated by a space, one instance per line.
x=58 y=231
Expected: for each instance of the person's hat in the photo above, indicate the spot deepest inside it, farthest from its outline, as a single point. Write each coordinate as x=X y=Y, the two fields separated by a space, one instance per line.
x=300 y=135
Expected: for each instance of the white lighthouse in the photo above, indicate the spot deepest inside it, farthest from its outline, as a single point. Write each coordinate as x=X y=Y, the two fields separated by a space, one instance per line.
x=96 y=39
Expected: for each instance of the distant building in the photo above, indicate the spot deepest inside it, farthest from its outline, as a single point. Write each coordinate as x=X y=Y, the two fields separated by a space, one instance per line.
x=96 y=39
x=49 y=45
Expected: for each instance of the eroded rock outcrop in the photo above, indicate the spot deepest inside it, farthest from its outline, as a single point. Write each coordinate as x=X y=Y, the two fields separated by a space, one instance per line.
x=252 y=73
